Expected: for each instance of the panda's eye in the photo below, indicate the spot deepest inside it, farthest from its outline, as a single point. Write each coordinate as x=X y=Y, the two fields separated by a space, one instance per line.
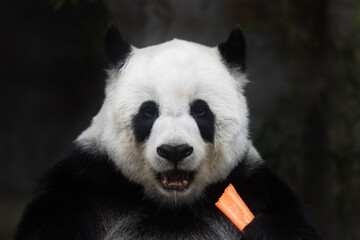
x=150 y=112
x=149 y=109
x=199 y=111
x=199 y=108
x=204 y=118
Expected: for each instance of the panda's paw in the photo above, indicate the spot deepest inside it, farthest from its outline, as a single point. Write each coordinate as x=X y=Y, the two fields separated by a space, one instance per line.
x=268 y=226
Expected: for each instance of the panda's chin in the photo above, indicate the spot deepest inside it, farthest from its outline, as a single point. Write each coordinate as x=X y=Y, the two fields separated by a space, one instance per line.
x=176 y=180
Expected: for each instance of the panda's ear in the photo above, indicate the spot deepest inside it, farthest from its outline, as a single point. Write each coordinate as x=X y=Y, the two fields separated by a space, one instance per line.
x=115 y=48
x=233 y=50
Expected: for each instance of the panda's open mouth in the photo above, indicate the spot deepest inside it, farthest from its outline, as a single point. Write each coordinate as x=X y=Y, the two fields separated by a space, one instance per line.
x=178 y=180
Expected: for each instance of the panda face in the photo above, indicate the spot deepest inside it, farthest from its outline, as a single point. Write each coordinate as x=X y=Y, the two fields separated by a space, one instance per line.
x=174 y=119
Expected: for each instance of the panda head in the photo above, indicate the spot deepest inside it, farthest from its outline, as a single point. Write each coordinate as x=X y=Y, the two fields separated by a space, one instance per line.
x=174 y=118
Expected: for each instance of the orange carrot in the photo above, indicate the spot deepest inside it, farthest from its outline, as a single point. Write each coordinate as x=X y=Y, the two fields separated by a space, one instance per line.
x=231 y=204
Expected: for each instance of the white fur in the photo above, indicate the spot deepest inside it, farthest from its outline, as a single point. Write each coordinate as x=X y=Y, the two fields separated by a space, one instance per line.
x=173 y=74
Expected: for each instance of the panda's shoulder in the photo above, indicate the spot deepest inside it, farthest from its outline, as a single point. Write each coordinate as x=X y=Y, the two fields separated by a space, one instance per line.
x=79 y=164
x=81 y=172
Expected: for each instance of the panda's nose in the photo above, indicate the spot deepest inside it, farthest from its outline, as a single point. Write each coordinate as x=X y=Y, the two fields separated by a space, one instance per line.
x=175 y=153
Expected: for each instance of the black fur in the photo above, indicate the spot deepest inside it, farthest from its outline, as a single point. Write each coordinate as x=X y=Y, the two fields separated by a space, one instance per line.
x=233 y=50
x=143 y=121
x=205 y=119
x=79 y=194
x=115 y=48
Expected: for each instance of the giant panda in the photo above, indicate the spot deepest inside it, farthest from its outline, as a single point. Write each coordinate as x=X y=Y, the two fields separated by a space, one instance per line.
x=172 y=133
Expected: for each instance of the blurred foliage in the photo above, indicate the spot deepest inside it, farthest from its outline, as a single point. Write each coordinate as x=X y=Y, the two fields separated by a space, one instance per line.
x=58 y=4
x=313 y=136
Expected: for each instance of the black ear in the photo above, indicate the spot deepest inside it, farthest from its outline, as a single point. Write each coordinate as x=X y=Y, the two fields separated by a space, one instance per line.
x=233 y=50
x=115 y=48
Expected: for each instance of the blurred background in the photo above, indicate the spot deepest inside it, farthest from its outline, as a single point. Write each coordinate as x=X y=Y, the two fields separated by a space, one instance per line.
x=304 y=94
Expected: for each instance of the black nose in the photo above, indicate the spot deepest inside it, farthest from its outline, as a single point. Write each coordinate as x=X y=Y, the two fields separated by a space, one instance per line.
x=175 y=153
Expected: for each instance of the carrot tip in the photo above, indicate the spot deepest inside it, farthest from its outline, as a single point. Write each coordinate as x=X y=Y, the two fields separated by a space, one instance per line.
x=231 y=204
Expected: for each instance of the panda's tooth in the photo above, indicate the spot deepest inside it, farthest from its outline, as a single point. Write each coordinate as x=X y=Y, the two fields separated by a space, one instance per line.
x=165 y=182
x=184 y=183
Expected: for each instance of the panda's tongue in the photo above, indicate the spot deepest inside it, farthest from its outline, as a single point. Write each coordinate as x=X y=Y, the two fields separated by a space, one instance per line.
x=175 y=179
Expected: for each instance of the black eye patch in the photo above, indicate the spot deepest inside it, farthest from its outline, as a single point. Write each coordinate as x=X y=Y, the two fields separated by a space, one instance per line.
x=143 y=121
x=204 y=118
